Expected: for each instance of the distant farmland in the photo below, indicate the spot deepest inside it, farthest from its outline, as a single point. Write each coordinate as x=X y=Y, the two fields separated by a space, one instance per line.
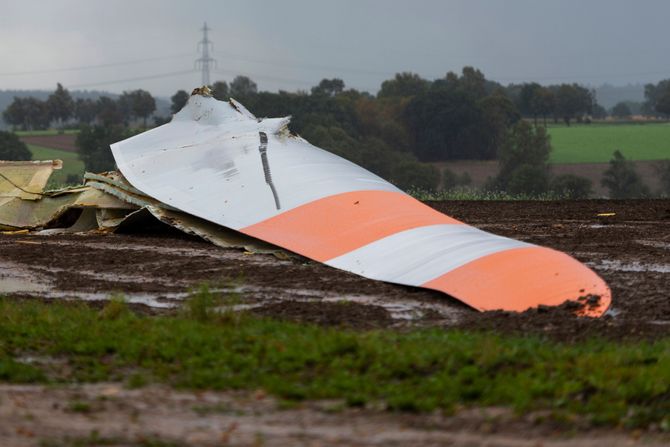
x=71 y=163
x=595 y=143
x=581 y=149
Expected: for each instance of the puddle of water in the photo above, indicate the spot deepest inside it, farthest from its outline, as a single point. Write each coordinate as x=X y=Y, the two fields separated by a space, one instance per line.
x=612 y=312
x=406 y=310
x=631 y=266
x=399 y=310
x=655 y=244
x=159 y=301
x=15 y=280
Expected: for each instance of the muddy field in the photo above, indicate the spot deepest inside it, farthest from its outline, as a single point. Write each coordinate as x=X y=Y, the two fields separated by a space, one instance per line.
x=64 y=142
x=109 y=414
x=481 y=170
x=630 y=250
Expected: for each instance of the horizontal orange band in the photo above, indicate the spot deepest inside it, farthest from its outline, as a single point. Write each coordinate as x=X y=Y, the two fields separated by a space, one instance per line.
x=521 y=278
x=335 y=225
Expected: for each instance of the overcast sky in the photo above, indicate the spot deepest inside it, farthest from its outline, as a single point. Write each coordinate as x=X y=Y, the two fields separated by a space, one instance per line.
x=292 y=44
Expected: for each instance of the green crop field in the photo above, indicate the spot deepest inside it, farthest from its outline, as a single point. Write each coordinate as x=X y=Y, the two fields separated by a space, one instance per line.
x=71 y=163
x=595 y=143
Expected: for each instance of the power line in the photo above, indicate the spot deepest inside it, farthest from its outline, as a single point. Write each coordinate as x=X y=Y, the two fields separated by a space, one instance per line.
x=266 y=78
x=583 y=76
x=91 y=67
x=141 y=78
x=276 y=63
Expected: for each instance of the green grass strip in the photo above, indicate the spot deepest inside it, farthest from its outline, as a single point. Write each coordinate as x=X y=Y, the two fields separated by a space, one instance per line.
x=609 y=383
x=72 y=165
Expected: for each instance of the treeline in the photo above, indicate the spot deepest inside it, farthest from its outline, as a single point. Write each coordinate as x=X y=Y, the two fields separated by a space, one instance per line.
x=60 y=109
x=410 y=122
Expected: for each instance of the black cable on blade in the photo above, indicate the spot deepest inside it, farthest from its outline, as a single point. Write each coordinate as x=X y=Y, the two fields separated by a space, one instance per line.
x=263 y=149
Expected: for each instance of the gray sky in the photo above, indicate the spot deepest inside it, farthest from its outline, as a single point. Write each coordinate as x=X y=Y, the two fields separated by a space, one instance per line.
x=292 y=44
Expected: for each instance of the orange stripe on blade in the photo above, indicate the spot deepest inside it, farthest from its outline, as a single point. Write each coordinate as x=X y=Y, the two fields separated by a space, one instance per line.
x=332 y=226
x=521 y=278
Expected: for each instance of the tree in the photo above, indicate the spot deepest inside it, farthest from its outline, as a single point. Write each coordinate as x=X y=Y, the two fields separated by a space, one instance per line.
x=329 y=87
x=27 y=113
x=220 y=91
x=242 y=87
x=179 y=100
x=60 y=105
x=11 y=148
x=143 y=105
x=572 y=101
x=410 y=174
x=524 y=161
x=622 y=179
x=499 y=113
x=446 y=123
x=473 y=81
x=124 y=105
x=93 y=143
x=109 y=113
x=403 y=85
x=15 y=114
x=528 y=100
x=653 y=94
x=545 y=103
x=528 y=180
x=599 y=112
x=136 y=104
x=663 y=104
x=85 y=110
x=571 y=186
x=621 y=110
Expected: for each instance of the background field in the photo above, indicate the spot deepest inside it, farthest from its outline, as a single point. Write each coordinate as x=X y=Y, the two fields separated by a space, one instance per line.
x=71 y=163
x=595 y=143
x=581 y=149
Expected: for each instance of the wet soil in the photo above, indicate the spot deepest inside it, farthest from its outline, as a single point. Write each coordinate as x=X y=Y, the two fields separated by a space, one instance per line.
x=112 y=415
x=626 y=242
x=630 y=249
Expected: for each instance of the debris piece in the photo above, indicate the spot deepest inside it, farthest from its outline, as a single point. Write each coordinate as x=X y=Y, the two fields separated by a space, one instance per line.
x=105 y=202
x=218 y=162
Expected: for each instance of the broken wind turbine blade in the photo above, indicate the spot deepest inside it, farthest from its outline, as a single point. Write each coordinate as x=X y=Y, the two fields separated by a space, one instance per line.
x=204 y=162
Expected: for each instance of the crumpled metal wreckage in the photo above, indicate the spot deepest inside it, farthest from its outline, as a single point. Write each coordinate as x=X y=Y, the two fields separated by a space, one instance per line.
x=219 y=172
x=105 y=202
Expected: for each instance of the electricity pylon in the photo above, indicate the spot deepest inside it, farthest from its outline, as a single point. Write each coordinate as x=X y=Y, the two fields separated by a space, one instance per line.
x=205 y=62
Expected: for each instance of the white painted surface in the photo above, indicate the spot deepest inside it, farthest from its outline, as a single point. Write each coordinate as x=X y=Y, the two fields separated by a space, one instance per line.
x=207 y=162
x=419 y=255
